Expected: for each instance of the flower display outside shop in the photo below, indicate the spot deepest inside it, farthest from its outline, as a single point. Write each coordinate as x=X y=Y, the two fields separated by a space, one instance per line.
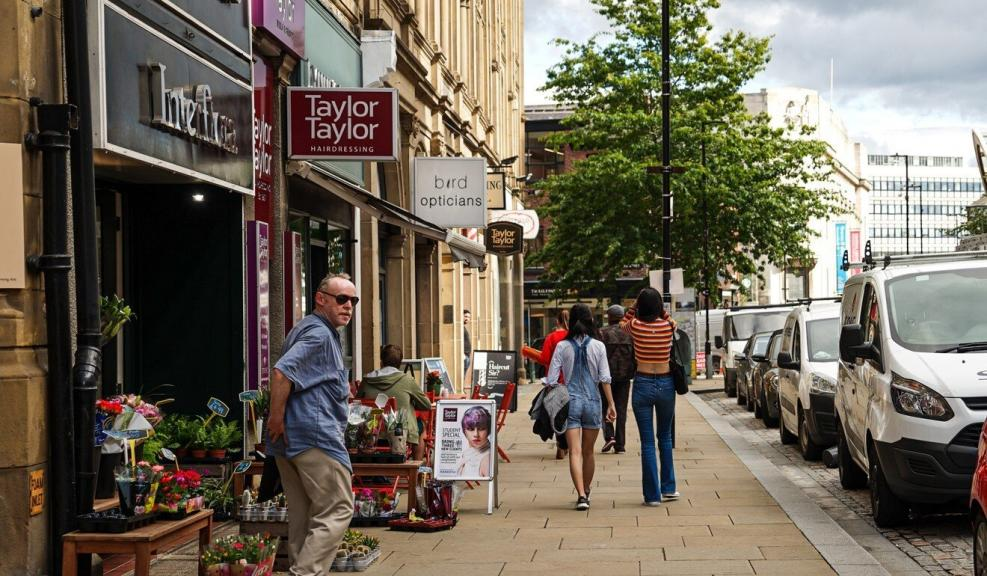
x=242 y=554
x=433 y=382
x=179 y=492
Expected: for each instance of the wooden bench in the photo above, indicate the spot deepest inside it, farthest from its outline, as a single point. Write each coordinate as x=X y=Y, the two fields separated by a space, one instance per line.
x=141 y=543
x=407 y=470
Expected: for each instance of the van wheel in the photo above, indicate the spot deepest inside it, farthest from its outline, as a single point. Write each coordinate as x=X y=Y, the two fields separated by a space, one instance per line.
x=810 y=450
x=730 y=383
x=980 y=544
x=851 y=476
x=888 y=509
x=786 y=436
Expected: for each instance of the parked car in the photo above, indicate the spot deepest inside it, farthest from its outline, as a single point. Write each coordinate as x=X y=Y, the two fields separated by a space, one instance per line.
x=978 y=505
x=739 y=324
x=756 y=344
x=807 y=377
x=715 y=327
x=762 y=402
x=911 y=381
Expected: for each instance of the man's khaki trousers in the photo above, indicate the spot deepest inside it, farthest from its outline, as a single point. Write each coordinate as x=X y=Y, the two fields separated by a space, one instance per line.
x=320 y=505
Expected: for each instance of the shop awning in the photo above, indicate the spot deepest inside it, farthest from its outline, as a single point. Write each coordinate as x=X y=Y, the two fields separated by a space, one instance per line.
x=468 y=251
x=377 y=207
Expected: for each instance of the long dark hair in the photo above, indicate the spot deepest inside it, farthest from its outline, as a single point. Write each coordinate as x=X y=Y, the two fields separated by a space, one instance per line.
x=649 y=305
x=581 y=322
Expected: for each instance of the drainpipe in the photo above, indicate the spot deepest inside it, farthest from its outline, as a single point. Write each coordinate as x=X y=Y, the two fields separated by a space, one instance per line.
x=88 y=356
x=52 y=139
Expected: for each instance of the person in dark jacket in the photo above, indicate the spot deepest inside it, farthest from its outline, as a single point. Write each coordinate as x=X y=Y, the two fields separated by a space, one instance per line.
x=620 y=356
x=402 y=387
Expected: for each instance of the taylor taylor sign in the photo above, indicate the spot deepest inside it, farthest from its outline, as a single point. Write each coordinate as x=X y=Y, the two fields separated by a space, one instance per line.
x=342 y=123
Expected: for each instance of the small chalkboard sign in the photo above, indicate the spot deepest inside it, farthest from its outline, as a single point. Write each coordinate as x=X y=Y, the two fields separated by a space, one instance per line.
x=439 y=365
x=493 y=370
x=217 y=407
x=129 y=434
x=249 y=395
x=242 y=466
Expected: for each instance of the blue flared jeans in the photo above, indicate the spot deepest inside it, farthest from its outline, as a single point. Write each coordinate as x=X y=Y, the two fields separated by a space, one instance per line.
x=653 y=402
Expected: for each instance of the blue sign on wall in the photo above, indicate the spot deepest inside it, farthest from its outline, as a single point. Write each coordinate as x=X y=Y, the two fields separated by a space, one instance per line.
x=841 y=246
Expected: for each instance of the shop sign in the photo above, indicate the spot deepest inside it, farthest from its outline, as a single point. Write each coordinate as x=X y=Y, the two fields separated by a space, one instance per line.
x=504 y=238
x=159 y=103
x=37 y=485
x=342 y=124
x=227 y=19
x=263 y=140
x=528 y=219
x=466 y=439
x=493 y=370
x=258 y=305
x=451 y=192
x=496 y=184
x=283 y=19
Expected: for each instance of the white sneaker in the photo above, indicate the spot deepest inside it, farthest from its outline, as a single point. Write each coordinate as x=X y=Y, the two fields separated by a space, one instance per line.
x=652 y=504
x=673 y=496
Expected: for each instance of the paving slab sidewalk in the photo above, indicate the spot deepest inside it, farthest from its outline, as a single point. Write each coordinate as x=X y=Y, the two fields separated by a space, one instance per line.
x=726 y=522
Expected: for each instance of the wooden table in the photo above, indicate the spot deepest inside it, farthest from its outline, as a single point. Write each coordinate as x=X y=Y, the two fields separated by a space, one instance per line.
x=142 y=542
x=407 y=470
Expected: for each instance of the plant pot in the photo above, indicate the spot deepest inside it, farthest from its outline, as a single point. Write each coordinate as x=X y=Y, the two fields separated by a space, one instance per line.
x=105 y=482
x=181 y=453
x=197 y=453
x=218 y=454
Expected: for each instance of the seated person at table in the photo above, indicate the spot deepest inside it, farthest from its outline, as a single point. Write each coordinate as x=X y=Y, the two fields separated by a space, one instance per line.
x=402 y=387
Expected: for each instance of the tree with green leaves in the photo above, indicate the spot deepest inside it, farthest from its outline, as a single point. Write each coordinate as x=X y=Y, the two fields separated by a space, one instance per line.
x=976 y=223
x=762 y=185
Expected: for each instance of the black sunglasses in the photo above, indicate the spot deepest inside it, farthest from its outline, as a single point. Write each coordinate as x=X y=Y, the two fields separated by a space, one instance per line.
x=343 y=298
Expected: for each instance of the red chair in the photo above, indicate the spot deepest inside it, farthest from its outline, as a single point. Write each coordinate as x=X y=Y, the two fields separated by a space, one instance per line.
x=502 y=412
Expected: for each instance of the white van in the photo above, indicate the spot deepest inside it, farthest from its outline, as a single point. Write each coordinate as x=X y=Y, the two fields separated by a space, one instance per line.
x=715 y=327
x=739 y=324
x=911 y=392
x=807 y=377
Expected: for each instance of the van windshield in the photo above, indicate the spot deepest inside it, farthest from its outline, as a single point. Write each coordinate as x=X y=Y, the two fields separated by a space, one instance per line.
x=741 y=326
x=823 y=339
x=938 y=310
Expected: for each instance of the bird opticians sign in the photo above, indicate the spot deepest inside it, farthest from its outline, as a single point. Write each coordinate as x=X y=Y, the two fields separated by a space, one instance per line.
x=342 y=123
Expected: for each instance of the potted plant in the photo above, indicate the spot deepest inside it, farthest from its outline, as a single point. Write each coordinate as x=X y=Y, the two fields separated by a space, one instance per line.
x=114 y=313
x=261 y=407
x=218 y=496
x=200 y=435
x=241 y=555
x=179 y=492
x=221 y=436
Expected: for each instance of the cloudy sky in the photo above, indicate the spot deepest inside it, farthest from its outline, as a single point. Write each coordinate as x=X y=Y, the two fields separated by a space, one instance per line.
x=910 y=75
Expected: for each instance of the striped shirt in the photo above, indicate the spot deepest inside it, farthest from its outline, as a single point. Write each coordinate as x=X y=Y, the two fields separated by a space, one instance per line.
x=652 y=340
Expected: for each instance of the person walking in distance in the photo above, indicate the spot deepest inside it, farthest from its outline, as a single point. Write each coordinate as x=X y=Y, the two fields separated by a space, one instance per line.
x=544 y=357
x=467 y=343
x=306 y=426
x=582 y=359
x=653 y=395
x=620 y=357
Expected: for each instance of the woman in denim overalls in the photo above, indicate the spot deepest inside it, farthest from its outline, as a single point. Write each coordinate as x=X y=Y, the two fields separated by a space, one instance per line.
x=582 y=361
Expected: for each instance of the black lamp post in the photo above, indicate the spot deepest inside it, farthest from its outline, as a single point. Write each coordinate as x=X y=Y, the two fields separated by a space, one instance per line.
x=706 y=290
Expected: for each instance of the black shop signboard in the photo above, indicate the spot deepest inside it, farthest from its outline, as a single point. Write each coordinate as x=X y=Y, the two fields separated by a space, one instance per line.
x=493 y=370
x=172 y=99
x=504 y=238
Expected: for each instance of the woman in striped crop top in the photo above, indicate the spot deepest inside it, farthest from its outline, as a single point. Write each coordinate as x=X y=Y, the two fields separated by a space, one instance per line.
x=653 y=394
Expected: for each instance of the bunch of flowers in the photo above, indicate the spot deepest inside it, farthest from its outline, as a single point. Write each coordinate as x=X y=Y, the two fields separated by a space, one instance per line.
x=109 y=407
x=149 y=411
x=248 y=554
x=177 y=486
x=433 y=382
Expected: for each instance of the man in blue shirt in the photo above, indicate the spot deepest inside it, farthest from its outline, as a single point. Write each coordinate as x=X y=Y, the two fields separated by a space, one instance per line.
x=306 y=427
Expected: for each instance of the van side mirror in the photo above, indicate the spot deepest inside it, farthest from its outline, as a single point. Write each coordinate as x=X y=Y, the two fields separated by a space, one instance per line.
x=785 y=361
x=758 y=357
x=718 y=341
x=852 y=345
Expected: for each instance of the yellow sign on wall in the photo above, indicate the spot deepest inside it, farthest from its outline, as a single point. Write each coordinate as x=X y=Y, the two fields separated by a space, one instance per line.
x=37 y=492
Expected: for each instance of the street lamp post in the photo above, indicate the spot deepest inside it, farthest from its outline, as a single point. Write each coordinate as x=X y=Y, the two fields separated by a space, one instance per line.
x=908 y=231
x=666 y=152
x=707 y=348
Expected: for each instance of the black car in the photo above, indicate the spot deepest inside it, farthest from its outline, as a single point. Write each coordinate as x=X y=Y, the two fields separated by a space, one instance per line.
x=757 y=345
x=760 y=364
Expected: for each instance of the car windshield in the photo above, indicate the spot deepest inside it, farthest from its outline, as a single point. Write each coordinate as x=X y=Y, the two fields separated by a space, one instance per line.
x=938 y=310
x=823 y=337
x=741 y=326
x=775 y=346
x=761 y=346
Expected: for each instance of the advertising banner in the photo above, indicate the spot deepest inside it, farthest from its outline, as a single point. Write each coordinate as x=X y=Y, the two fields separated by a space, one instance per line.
x=263 y=139
x=451 y=192
x=841 y=245
x=465 y=439
x=493 y=370
x=496 y=185
x=258 y=305
x=283 y=19
x=294 y=258
x=342 y=123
